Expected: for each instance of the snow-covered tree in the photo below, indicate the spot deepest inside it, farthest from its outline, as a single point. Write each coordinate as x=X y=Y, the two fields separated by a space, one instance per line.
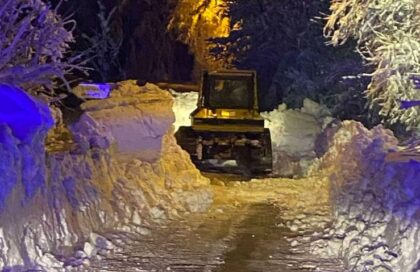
x=283 y=41
x=388 y=38
x=34 y=41
x=196 y=21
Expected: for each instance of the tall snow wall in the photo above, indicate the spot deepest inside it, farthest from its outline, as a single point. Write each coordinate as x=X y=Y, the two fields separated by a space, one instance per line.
x=110 y=180
x=376 y=203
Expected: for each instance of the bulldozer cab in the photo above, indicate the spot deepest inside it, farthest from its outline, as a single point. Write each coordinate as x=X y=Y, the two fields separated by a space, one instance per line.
x=228 y=102
x=228 y=90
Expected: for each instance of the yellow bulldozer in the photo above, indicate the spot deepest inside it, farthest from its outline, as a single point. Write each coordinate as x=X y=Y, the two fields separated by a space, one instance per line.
x=227 y=132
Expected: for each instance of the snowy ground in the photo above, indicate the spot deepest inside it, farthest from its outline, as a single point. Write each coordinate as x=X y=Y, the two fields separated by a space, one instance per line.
x=245 y=230
x=357 y=212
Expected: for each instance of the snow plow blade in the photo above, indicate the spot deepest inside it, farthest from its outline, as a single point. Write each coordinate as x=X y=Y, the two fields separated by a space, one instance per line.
x=248 y=154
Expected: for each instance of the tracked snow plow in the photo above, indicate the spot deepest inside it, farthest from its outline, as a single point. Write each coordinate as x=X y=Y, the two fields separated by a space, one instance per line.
x=227 y=132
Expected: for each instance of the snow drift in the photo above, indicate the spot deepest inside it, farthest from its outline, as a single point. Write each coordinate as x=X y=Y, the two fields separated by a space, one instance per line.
x=294 y=133
x=376 y=203
x=107 y=181
x=24 y=123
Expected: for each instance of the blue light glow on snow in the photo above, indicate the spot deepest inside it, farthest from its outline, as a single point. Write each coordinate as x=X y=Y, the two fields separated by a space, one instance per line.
x=22 y=113
x=405 y=104
x=416 y=81
x=411 y=181
x=24 y=122
x=95 y=90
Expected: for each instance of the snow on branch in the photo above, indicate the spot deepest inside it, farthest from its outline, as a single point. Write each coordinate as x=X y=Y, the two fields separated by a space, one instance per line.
x=388 y=37
x=195 y=22
x=104 y=45
x=34 y=41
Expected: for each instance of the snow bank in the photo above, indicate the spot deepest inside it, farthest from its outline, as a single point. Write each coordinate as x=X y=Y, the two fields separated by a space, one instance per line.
x=132 y=119
x=24 y=123
x=376 y=204
x=184 y=104
x=293 y=131
x=102 y=184
x=293 y=134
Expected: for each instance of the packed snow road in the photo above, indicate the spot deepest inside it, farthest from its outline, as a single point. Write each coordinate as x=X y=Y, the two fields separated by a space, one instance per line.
x=249 y=228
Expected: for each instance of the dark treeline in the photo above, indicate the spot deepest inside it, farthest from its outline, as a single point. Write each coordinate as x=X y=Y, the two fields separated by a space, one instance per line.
x=148 y=51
